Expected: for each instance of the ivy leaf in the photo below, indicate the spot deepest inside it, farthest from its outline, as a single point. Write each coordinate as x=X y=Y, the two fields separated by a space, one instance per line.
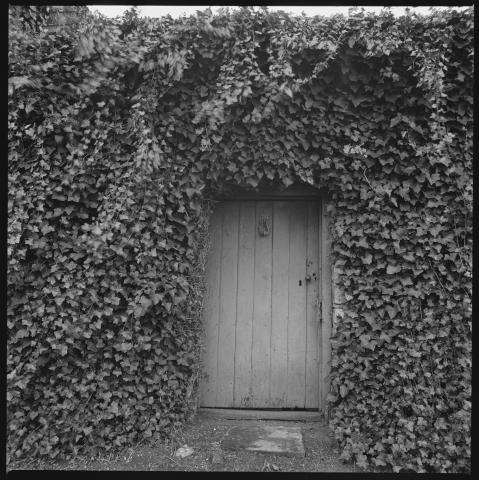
x=392 y=311
x=114 y=408
x=331 y=397
x=190 y=192
x=392 y=269
x=361 y=461
x=367 y=259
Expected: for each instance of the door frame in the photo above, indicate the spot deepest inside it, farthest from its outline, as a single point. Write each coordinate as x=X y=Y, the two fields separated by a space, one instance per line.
x=305 y=193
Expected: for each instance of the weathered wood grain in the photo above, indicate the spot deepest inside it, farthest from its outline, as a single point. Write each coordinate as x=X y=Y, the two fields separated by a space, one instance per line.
x=262 y=310
x=279 y=305
x=227 y=306
x=296 y=352
x=244 y=309
x=312 y=306
x=211 y=312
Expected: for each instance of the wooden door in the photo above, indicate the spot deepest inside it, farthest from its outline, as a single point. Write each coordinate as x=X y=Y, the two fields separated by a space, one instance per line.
x=262 y=309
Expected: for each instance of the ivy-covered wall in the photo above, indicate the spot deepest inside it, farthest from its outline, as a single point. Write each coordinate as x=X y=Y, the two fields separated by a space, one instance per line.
x=121 y=132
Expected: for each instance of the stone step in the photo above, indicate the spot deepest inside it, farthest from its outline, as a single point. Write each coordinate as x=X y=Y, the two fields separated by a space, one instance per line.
x=275 y=439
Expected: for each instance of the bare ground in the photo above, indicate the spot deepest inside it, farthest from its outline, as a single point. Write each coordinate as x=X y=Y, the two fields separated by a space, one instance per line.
x=204 y=435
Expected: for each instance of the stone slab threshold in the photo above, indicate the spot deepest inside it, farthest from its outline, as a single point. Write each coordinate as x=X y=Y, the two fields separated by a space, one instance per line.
x=275 y=439
x=242 y=414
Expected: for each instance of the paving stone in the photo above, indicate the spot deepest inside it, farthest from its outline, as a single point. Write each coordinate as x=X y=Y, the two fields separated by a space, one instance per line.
x=277 y=439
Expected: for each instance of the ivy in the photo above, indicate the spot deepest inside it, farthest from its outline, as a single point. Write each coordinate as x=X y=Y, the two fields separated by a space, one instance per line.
x=121 y=134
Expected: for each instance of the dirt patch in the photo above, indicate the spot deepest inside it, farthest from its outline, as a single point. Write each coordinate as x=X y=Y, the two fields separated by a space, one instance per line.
x=205 y=435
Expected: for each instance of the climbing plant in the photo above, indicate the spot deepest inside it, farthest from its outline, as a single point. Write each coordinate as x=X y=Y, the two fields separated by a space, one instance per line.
x=121 y=134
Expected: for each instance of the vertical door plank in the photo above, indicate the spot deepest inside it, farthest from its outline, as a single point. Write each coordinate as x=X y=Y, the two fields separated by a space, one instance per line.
x=227 y=307
x=244 y=314
x=312 y=308
x=297 y=307
x=262 y=309
x=320 y=328
x=211 y=311
x=326 y=313
x=279 y=305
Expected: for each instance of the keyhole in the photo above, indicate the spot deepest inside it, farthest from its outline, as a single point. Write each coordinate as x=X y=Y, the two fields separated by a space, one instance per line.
x=300 y=283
